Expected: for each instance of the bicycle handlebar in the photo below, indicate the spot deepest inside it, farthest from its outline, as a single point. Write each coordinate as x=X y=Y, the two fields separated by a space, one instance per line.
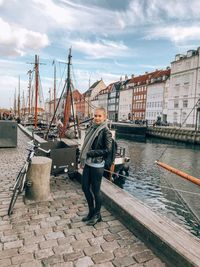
x=45 y=151
x=32 y=143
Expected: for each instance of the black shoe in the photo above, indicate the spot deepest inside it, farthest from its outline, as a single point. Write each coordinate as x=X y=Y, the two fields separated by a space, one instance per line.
x=95 y=219
x=88 y=217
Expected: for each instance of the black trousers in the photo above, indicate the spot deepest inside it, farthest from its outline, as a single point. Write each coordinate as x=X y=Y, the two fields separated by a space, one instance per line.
x=91 y=183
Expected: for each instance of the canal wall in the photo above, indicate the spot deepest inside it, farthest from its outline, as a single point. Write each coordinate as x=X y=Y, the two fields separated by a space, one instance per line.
x=175 y=134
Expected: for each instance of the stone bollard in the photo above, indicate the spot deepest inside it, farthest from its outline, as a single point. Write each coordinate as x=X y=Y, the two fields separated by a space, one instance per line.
x=39 y=178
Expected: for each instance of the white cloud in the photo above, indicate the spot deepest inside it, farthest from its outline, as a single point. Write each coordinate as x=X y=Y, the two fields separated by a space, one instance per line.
x=16 y=41
x=101 y=49
x=177 y=34
x=8 y=85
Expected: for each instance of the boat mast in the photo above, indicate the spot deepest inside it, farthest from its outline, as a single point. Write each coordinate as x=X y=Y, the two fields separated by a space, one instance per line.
x=36 y=89
x=49 y=103
x=29 y=91
x=18 y=103
x=67 y=108
x=54 y=87
x=23 y=105
x=15 y=103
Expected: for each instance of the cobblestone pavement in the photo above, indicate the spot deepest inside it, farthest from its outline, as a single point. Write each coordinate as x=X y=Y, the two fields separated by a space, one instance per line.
x=52 y=233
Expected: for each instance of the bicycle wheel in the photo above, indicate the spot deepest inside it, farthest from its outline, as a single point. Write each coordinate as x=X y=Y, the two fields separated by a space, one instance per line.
x=17 y=180
x=16 y=191
x=12 y=202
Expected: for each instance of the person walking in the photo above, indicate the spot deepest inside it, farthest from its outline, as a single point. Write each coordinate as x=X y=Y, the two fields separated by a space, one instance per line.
x=94 y=156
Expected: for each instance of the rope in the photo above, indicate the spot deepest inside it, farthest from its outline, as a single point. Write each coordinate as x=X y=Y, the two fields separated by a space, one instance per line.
x=132 y=180
x=196 y=219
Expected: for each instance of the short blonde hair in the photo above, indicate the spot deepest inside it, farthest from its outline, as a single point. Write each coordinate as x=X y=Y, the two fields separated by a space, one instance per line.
x=103 y=110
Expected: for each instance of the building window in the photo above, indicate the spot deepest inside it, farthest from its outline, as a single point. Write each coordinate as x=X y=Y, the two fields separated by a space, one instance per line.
x=175 y=117
x=175 y=103
x=185 y=103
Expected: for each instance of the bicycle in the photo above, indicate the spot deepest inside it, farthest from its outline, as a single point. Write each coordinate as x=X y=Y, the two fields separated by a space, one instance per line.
x=21 y=181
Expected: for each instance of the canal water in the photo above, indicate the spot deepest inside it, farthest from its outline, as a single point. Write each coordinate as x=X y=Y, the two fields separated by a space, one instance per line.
x=165 y=193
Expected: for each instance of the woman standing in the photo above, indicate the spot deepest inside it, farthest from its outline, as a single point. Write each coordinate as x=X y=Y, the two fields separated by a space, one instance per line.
x=94 y=156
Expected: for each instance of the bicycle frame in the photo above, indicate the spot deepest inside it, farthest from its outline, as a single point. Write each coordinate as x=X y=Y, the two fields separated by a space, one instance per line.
x=20 y=181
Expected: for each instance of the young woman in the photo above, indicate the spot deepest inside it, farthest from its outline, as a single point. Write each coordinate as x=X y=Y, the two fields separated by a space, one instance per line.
x=94 y=156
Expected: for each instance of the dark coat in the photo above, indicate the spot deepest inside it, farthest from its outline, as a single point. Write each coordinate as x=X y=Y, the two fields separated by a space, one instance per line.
x=102 y=146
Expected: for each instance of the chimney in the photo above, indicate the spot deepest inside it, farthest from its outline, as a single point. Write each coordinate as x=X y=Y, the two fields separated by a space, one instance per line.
x=132 y=76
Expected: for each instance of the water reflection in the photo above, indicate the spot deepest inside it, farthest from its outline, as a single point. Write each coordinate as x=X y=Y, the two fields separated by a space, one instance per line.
x=154 y=185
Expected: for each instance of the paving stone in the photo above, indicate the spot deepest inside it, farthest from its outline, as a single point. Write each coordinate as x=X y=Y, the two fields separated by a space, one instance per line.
x=85 y=261
x=8 y=253
x=48 y=244
x=83 y=236
x=73 y=256
x=53 y=219
x=101 y=225
x=62 y=249
x=64 y=264
x=110 y=246
x=74 y=231
x=13 y=244
x=144 y=256
x=44 y=253
x=5 y=262
x=79 y=245
x=86 y=228
x=102 y=257
x=154 y=263
x=54 y=235
x=114 y=223
x=105 y=264
x=92 y=250
x=136 y=248
x=125 y=242
x=116 y=229
x=19 y=259
x=43 y=231
x=33 y=240
x=100 y=232
x=66 y=240
x=124 y=261
x=121 y=252
x=96 y=240
x=111 y=237
x=32 y=264
x=8 y=238
x=28 y=249
x=52 y=260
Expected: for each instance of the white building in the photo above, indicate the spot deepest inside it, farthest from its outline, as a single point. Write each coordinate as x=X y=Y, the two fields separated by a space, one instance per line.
x=103 y=97
x=184 y=89
x=155 y=96
x=125 y=104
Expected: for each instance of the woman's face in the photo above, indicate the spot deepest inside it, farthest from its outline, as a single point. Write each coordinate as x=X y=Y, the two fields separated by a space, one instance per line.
x=99 y=116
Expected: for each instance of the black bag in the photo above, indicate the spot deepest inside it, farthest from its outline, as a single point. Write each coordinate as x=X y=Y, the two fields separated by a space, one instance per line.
x=114 y=151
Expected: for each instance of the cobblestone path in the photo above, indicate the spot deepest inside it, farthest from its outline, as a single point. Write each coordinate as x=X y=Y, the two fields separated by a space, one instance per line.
x=52 y=233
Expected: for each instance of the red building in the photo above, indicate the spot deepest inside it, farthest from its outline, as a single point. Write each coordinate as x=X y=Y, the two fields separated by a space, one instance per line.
x=79 y=104
x=139 y=85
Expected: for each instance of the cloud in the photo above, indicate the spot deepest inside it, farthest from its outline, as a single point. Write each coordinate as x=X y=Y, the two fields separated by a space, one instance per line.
x=177 y=34
x=100 y=49
x=16 y=41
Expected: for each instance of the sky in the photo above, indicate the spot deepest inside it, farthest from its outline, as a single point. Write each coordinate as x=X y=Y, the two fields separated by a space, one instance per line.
x=109 y=39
